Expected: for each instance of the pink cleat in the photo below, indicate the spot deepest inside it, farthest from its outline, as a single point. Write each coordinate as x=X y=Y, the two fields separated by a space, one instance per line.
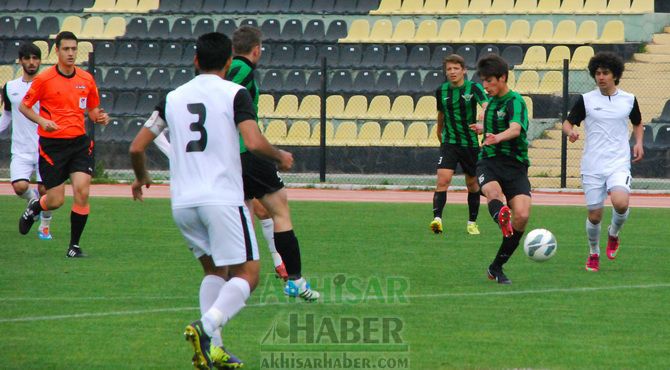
x=612 y=246
x=593 y=263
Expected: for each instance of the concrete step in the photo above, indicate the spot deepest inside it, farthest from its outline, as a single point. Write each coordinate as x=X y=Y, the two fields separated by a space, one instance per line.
x=651 y=58
x=658 y=48
x=666 y=29
x=554 y=182
x=661 y=38
x=646 y=68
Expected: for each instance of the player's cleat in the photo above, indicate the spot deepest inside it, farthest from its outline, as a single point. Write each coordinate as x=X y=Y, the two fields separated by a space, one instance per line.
x=281 y=271
x=612 y=246
x=472 y=228
x=436 y=225
x=593 y=263
x=222 y=359
x=44 y=234
x=75 y=252
x=300 y=288
x=498 y=275
x=505 y=221
x=200 y=341
x=27 y=218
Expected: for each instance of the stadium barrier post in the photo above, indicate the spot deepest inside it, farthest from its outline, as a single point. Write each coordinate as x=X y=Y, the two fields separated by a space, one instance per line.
x=324 y=80
x=564 y=116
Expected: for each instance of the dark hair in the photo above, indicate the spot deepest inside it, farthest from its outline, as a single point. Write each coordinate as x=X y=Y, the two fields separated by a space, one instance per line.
x=246 y=38
x=213 y=51
x=607 y=60
x=27 y=49
x=455 y=59
x=65 y=35
x=492 y=65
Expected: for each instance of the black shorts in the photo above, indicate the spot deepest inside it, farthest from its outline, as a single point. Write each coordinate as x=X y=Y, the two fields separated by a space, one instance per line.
x=511 y=174
x=260 y=176
x=61 y=157
x=451 y=154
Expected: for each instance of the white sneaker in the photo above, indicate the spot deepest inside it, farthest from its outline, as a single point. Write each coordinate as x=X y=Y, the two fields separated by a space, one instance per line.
x=300 y=288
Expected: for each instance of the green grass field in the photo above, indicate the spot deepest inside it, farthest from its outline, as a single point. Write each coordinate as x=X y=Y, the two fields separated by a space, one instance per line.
x=125 y=307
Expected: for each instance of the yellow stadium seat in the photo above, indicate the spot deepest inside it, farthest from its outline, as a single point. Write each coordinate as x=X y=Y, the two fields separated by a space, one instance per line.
x=456 y=7
x=417 y=134
x=613 y=33
x=450 y=31
x=266 y=105
x=44 y=48
x=316 y=133
x=287 y=106
x=126 y=6
x=404 y=31
x=529 y=106
x=528 y=82
x=345 y=134
x=501 y=7
x=431 y=140
x=83 y=48
x=101 y=6
x=52 y=58
x=381 y=31
x=299 y=133
x=511 y=79
x=394 y=134
x=473 y=31
x=71 y=23
x=116 y=26
x=543 y=31
x=496 y=31
x=587 y=33
x=6 y=74
x=642 y=6
x=359 y=31
x=580 y=59
x=547 y=6
x=571 y=6
x=524 y=6
x=426 y=32
x=310 y=107
x=410 y=7
x=479 y=6
x=535 y=58
x=93 y=28
x=566 y=32
x=356 y=108
x=334 y=106
x=519 y=31
x=387 y=7
x=402 y=108
x=369 y=134
x=276 y=131
x=618 y=6
x=426 y=108
x=552 y=83
x=594 y=6
x=556 y=56
x=434 y=6
x=145 y=6
x=380 y=107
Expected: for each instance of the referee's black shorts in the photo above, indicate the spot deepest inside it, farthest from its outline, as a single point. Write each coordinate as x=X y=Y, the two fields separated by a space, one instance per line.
x=61 y=157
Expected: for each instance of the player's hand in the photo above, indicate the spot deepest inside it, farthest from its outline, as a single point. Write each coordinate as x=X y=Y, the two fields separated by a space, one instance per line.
x=491 y=139
x=478 y=128
x=573 y=136
x=49 y=126
x=103 y=117
x=285 y=161
x=638 y=153
x=136 y=187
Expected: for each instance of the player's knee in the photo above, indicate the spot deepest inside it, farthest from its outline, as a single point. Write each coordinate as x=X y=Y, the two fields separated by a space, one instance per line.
x=261 y=213
x=20 y=187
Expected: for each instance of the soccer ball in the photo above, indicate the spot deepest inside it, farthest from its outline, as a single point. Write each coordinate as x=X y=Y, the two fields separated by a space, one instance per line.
x=540 y=245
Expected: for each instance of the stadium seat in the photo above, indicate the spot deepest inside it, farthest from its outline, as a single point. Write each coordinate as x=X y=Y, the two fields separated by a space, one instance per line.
x=115 y=27
x=665 y=114
x=275 y=6
x=310 y=107
x=316 y=133
x=473 y=31
x=181 y=76
x=580 y=59
x=404 y=31
x=101 y=6
x=287 y=106
x=295 y=81
x=340 y=81
x=417 y=134
x=299 y=133
x=410 y=82
x=115 y=78
x=266 y=55
x=191 y=6
x=126 y=53
x=125 y=103
x=434 y=7
x=431 y=140
x=426 y=32
x=556 y=57
x=387 y=82
x=83 y=50
x=403 y=105
x=373 y=56
x=114 y=131
x=337 y=29
x=305 y=56
x=419 y=57
x=49 y=25
x=642 y=6
x=171 y=54
x=71 y=23
x=479 y=6
x=528 y=82
x=356 y=107
x=450 y=31
x=7 y=25
x=104 y=52
x=393 y=135
x=496 y=31
x=500 y=7
x=587 y=33
x=235 y=7
x=529 y=106
x=137 y=28
x=276 y=132
x=272 y=81
x=365 y=6
x=14 y=5
x=552 y=83
x=613 y=33
x=26 y=27
x=323 y=6
x=567 y=6
x=106 y=100
x=345 y=134
x=469 y=54
x=350 y=56
x=359 y=31
x=146 y=103
x=535 y=58
x=456 y=7
x=271 y=29
x=425 y=108
x=379 y=108
x=334 y=106
x=433 y=80
x=188 y=54
x=314 y=30
x=543 y=31
x=283 y=55
x=364 y=81
x=381 y=32
x=159 y=29
x=566 y=32
x=203 y=26
x=396 y=56
x=594 y=6
x=439 y=53
x=519 y=32
x=134 y=126
x=227 y=27
x=148 y=53
x=300 y=7
x=266 y=105
x=617 y=7
x=93 y=28
x=387 y=7
x=137 y=78
x=524 y=7
x=331 y=53
x=43 y=45
x=369 y=134
x=145 y=6
x=663 y=137
x=488 y=50
x=170 y=6
x=79 y=5
x=181 y=29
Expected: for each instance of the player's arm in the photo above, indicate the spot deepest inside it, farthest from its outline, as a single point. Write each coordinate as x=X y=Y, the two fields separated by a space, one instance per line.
x=26 y=107
x=638 y=132
x=152 y=128
x=6 y=118
x=576 y=116
x=99 y=116
x=482 y=100
x=516 y=118
x=440 y=114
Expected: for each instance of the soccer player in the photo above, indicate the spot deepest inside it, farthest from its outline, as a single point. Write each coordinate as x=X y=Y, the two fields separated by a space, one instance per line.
x=205 y=117
x=457 y=101
x=24 y=134
x=606 y=159
x=65 y=93
x=502 y=169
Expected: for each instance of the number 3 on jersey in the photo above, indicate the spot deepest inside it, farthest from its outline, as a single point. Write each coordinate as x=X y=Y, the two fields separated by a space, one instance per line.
x=199 y=126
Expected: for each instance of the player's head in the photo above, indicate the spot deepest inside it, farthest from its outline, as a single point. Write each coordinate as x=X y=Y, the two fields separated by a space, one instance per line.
x=213 y=52
x=454 y=68
x=606 y=68
x=493 y=71
x=66 y=48
x=247 y=43
x=30 y=57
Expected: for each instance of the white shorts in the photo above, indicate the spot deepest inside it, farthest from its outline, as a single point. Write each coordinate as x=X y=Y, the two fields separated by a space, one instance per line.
x=596 y=187
x=23 y=165
x=223 y=232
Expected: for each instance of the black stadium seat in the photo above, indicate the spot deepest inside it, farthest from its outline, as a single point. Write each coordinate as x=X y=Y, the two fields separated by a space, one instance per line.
x=188 y=53
x=295 y=81
x=104 y=52
x=182 y=29
x=433 y=80
x=171 y=53
x=146 y=103
x=469 y=53
x=181 y=76
x=663 y=137
x=487 y=50
x=323 y=6
x=115 y=78
x=159 y=79
x=137 y=28
x=440 y=52
x=305 y=56
x=665 y=114
x=313 y=82
x=373 y=56
x=315 y=30
x=39 y=5
x=106 y=100
x=203 y=26
x=125 y=103
x=364 y=81
x=331 y=53
x=191 y=6
x=126 y=53
x=249 y=22
x=235 y=6
x=271 y=29
x=292 y=30
x=48 y=26
x=257 y=6
x=337 y=29
x=227 y=27
x=26 y=27
x=283 y=55
x=7 y=25
x=387 y=82
x=134 y=126
x=513 y=55
x=300 y=6
x=266 y=55
x=340 y=81
x=136 y=79
x=410 y=82
x=114 y=131
x=419 y=57
x=159 y=28
x=272 y=81
x=350 y=56
x=396 y=56
x=213 y=6
x=148 y=53
x=170 y=6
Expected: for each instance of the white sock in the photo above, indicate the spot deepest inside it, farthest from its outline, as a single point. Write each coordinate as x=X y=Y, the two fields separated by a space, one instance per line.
x=230 y=301
x=618 y=219
x=593 y=234
x=29 y=194
x=268 y=227
x=209 y=291
x=45 y=219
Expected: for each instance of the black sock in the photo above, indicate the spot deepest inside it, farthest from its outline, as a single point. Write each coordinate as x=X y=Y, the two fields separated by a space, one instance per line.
x=289 y=250
x=494 y=208
x=507 y=248
x=439 y=200
x=473 y=205
x=77 y=223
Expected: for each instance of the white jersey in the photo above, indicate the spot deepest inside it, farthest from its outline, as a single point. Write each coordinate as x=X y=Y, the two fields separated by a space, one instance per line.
x=24 y=131
x=202 y=117
x=606 y=148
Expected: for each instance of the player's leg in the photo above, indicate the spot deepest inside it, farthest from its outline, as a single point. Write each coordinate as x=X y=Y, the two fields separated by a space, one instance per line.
x=595 y=193
x=446 y=165
x=520 y=205
x=20 y=169
x=81 y=183
x=618 y=185
x=43 y=232
x=267 y=226
x=469 y=164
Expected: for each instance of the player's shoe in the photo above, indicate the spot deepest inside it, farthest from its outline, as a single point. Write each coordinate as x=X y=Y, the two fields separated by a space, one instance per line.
x=222 y=359
x=612 y=246
x=300 y=288
x=436 y=225
x=75 y=252
x=472 y=228
x=281 y=271
x=498 y=275
x=27 y=218
x=44 y=234
x=200 y=341
x=505 y=221
x=593 y=263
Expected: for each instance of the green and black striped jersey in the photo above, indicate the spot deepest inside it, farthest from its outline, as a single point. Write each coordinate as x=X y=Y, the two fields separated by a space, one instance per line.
x=242 y=73
x=459 y=105
x=500 y=112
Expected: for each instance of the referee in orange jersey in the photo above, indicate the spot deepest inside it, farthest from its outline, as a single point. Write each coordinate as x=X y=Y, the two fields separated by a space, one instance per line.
x=65 y=93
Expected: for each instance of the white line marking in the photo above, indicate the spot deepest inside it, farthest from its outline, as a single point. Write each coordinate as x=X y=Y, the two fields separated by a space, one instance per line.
x=262 y=304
